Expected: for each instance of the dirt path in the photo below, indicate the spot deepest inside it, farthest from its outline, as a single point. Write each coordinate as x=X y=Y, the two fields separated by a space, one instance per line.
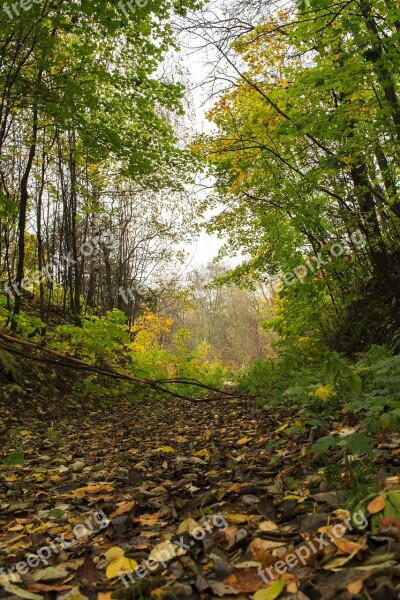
x=209 y=492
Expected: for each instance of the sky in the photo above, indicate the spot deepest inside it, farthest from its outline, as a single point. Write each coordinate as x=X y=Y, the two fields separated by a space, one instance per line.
x=206 y=246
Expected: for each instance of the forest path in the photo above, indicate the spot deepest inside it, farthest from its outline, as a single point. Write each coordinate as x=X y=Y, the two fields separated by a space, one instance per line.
x=230 y=466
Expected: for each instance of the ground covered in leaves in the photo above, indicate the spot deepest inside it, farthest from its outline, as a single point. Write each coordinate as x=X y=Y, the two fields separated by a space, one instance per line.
x=208 y=492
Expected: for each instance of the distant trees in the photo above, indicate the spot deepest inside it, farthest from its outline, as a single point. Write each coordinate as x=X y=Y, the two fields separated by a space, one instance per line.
x=228 y=319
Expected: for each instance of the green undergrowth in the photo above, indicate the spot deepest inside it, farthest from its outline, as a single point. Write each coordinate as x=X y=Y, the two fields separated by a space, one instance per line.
x=138 y=351
x=340 y=405
x=333 y=386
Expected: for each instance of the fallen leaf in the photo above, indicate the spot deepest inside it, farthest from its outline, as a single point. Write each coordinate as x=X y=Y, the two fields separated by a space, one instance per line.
x=189 y=525
x=44 y=587
x=122 y=565
x=92 y=489
x=345 y=545
x=244 y=580
x=17 y=591
x=122 y=509
x=267 y=526
x=376 y=505
x=114 y=553
x=50 y=574
x=238 y=518
x=205 y=436
x=165 y=551
x=260 y=549
x=87 y=572
x=167 y=449
x=74 y=594
x=243 y=441
x=355 y=587
x=337 y=562
x=149 y=520
x=271 y=592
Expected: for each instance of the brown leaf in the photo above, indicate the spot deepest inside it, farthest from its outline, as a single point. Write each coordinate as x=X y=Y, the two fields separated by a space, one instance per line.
x=92 y=489
x=43 y=587
x=245 y=580
x=87 y=571
x=149 y=520
x=123 y=508
x=261 y=550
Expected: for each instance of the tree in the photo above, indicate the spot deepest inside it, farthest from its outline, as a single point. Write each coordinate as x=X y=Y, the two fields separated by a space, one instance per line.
x=306 y=151
x=80 y=97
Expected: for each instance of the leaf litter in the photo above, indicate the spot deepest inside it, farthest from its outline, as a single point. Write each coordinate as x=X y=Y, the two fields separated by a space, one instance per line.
x=159 y=473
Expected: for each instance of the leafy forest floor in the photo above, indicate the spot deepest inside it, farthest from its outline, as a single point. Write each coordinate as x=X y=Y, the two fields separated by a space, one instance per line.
x=159 y=472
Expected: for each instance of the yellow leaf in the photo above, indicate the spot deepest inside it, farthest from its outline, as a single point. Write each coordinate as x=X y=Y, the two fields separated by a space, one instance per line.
x=114 y=553
x=338 y=562
x=238 y=518
x=189 y=525
x=121 y=565
x=167 y=449
x=282 y=428
x=158 y=594
x=345 y=545
x=16 y=528
x=376 y=505
x=243 y=441
x=271 y=592
x=299 y=499
x=205 y=453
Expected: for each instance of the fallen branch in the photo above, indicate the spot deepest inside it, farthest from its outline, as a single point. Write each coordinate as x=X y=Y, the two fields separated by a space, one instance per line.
x=63 y=360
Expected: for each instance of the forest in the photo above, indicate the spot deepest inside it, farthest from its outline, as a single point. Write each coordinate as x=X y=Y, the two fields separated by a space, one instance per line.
x=199 y=299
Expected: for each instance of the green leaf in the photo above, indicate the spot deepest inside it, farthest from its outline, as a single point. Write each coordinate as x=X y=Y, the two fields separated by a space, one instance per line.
x=323 y=444
x=271 y=592
x=17 y=458
x=358 y=443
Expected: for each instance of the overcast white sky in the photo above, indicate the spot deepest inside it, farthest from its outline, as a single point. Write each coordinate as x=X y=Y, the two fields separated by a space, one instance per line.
x=206 y=246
